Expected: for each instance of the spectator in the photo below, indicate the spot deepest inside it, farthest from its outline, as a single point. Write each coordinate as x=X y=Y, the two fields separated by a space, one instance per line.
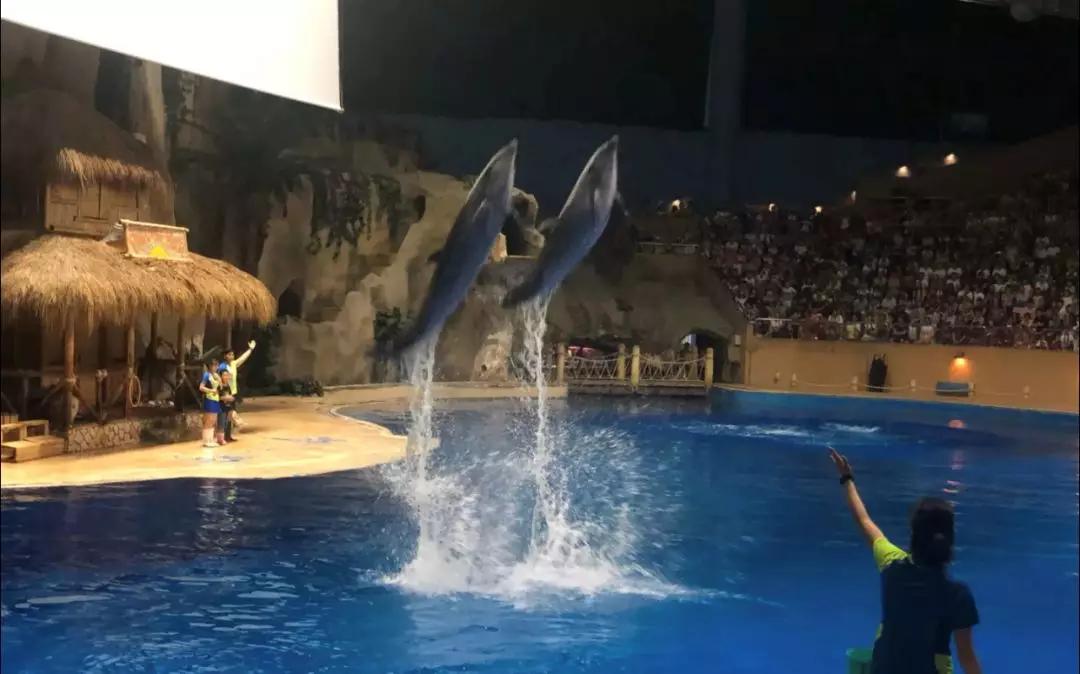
x=963 y=277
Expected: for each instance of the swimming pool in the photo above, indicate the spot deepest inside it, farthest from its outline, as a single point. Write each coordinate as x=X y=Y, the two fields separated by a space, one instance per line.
x=716 y=532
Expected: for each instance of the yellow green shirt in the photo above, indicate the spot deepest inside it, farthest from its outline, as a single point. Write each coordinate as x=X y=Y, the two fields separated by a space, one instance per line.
x=921 y=608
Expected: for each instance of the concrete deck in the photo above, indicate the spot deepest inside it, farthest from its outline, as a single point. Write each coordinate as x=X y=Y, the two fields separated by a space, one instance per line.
x=284 y=437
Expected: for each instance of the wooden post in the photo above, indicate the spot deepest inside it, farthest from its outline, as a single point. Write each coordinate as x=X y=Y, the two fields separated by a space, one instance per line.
x=24 y=402
x=129 y=356
x=620 y=363
x=635 y=366
x=560 y=364
x=69 y=372
x=101 y=397
x=103 y=347
x=708 y=368
x=181 y=353
x=151 y=372
x=228 y=335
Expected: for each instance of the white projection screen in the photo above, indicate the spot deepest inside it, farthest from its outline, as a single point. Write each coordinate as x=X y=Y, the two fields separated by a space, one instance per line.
x=284 y=47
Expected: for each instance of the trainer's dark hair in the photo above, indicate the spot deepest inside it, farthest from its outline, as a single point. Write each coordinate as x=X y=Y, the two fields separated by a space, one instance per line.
x=932 y=532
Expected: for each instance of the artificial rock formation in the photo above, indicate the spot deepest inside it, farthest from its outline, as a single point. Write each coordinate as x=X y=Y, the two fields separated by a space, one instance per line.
x=333 y=337
x=658 y=300
x=655 y=301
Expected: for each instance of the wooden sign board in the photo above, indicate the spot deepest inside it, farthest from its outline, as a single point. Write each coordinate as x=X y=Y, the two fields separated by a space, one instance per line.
x=149 y=240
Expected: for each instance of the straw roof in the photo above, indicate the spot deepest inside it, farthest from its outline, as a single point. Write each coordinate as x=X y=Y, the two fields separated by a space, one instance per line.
x=55 y=277
x=50 y=136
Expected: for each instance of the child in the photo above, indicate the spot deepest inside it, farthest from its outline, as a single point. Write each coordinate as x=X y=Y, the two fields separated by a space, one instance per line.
x=209 y=387
x=224 y=417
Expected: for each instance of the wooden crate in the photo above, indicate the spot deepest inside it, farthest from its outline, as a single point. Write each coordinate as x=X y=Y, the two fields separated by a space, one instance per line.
x=38 y=447
x=23 y=430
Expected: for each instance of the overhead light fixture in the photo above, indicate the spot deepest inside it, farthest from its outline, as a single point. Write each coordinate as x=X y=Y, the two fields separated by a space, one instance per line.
x=950 y=159
x=772 y=207
x=903 y=172
x=818 y=209
x=854 y=194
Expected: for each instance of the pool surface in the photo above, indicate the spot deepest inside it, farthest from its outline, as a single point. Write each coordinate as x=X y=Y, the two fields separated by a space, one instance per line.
x=699 y=537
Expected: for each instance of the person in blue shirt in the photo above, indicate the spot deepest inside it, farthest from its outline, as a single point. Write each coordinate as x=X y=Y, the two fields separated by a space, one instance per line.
x=922 y=608
x=210 y=388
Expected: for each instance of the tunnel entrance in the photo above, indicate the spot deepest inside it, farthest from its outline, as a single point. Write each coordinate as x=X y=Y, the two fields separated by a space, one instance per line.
x=705 y=339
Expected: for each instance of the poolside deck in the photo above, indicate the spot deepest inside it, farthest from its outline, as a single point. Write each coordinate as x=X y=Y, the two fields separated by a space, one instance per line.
x=284 y=437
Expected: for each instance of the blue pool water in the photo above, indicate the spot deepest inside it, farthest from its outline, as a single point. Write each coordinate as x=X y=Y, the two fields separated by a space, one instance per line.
x=712 y=536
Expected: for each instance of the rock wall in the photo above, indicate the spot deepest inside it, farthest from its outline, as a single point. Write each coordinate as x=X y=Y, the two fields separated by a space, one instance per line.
x=655 y=302
x=333 y=338
x=658 y=301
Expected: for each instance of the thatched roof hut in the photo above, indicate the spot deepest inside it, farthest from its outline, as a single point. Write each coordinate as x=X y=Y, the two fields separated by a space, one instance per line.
x=50 y=136
x=57 y=278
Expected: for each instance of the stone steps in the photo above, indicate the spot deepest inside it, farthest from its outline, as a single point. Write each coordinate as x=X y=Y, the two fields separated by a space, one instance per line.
x=37 y=447
x=21 y=430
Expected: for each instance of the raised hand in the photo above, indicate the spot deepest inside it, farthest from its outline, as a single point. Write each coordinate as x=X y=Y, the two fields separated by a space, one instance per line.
x=841 y=463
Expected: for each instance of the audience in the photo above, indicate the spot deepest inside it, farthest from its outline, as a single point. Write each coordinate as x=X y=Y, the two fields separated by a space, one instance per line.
x=1004 y=275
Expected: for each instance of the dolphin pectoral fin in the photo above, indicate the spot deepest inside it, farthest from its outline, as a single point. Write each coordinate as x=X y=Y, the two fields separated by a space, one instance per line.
x=483 y=212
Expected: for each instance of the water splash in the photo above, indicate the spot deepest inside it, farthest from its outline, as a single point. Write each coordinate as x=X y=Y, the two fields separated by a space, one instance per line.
x=420 y=365
x=523 y=512
x=534 y=320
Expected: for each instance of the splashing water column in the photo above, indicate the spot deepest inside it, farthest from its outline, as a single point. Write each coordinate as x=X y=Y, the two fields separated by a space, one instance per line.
x=511 y=524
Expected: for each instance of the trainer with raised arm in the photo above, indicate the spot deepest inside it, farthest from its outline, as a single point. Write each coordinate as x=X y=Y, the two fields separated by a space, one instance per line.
x=922 y=609
x=231 y=364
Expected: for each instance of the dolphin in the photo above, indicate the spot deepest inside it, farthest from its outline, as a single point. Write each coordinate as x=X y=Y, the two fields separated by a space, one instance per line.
x=467 y=247
x=570 y=236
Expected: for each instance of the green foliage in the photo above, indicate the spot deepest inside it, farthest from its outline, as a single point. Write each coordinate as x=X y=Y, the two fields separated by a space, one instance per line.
x=389 y=325
x=391 y=205
x=346 y=206
x=256 y=137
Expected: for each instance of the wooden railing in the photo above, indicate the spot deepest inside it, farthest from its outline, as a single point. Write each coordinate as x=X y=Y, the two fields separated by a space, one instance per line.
x=634 y=369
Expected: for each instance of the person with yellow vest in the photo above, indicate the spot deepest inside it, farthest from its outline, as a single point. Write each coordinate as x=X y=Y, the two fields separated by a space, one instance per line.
x=923 y=608
x=232 y=364
x=210 y=388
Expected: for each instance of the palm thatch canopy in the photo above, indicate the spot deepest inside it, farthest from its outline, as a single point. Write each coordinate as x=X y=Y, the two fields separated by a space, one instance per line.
x=50 y=136
x=55 y=278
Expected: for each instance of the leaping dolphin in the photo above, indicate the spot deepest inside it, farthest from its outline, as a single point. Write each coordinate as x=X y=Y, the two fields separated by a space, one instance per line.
x=467 y=247
x=571 y=235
